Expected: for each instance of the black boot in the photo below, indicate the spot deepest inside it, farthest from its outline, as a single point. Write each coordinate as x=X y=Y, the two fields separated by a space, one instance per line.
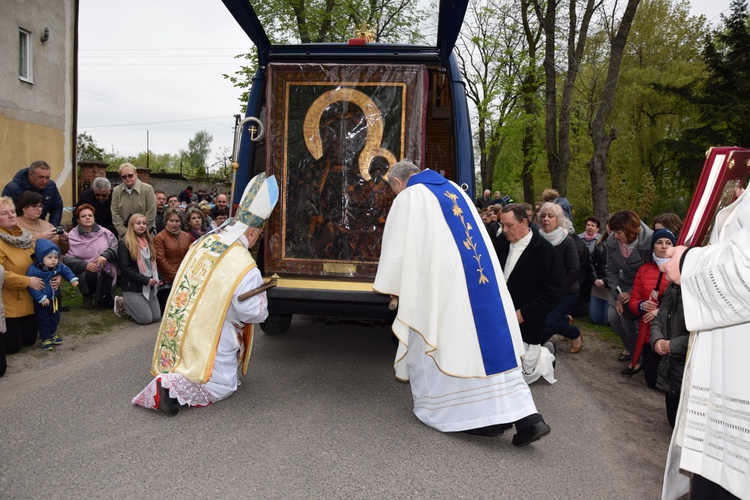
x=168 y=405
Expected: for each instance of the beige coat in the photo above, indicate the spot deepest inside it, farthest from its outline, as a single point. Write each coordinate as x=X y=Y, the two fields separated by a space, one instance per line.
x=140 y=200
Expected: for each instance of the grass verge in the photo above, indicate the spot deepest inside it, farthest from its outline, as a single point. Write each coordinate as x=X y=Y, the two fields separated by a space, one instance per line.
x=83 y=322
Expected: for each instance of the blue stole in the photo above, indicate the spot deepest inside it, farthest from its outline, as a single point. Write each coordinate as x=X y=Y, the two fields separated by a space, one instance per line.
x=495 y=342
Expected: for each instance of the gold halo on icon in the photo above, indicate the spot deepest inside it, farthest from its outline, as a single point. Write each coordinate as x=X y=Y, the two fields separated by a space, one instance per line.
x=371 y=149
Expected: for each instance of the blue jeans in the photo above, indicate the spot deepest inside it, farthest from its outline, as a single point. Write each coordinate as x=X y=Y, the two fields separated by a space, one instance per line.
x=556 y=321
x=599 y=311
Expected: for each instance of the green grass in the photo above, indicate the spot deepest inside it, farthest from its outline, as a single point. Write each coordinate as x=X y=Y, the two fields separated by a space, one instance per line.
x=83 y=322
x=603 y=332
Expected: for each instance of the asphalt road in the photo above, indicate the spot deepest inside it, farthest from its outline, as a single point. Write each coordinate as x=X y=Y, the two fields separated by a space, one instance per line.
x=319 y=415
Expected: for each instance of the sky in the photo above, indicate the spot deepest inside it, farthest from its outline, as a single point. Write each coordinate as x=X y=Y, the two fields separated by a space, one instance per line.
x=154 y=68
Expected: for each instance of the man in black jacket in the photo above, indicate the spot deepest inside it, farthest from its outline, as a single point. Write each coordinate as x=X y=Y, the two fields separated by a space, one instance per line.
x=37 y=178
x=99 y=197
x=536 y=281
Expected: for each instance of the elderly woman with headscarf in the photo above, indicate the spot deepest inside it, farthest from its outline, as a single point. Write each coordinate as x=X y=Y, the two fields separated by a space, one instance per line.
x=93 y=258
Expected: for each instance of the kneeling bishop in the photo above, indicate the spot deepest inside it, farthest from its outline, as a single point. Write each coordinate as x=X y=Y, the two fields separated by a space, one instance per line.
x=197 y=358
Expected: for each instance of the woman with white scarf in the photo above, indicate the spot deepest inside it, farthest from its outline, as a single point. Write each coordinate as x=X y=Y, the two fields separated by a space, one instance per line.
x=555 y=228
x=139 y=278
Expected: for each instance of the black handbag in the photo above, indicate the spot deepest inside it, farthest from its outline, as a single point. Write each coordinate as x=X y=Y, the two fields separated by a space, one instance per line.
x=103 y=288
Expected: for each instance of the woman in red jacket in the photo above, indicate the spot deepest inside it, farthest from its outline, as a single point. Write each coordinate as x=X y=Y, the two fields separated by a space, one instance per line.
x=648 y=289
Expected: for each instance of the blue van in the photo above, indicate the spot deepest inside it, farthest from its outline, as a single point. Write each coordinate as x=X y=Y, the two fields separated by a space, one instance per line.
x=328 y=120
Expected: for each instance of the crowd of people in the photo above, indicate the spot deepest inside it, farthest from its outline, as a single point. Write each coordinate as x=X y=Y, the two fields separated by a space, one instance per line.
x=130 y=236
x=609 y=272
x=539 y=272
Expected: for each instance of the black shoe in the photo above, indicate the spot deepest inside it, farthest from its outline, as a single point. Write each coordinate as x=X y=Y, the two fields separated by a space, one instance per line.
x=168 y=405
x=624 y=357
x=490 y=430
x=553 y=350
x=531 y=433
x=630 y=371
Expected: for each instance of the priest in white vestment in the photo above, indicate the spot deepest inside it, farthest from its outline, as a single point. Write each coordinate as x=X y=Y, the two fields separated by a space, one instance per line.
x=197 y=358
x=459 y=339
x=711 y=438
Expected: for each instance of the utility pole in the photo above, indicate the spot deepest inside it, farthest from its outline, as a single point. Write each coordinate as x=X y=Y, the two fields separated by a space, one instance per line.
x=148 y=152
x=237 y=119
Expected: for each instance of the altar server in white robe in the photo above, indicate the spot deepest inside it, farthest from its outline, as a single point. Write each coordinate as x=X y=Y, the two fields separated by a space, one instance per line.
x=711 y=438
x=198 y=356
x=459 y=339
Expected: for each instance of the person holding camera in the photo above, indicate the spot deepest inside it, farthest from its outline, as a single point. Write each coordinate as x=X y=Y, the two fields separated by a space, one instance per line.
x=29 y=210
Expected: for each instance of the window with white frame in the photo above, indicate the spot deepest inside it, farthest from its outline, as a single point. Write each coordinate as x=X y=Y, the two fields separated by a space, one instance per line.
x=25 y=60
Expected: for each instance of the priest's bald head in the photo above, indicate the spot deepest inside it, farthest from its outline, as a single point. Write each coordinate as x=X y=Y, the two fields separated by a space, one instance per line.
x=399 y=175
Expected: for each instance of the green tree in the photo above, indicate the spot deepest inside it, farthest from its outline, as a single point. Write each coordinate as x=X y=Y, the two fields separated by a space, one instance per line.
x=315 y=21
x=199 y=147
x=722 y=97
x=658 y=54
x=558 y=115
x=87 y=149
x=602 y=138
x=487 y=50
x=530 y=84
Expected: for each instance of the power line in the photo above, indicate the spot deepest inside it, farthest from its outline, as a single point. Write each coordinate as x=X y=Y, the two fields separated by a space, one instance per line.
x=152 y=49
x=126 y=104
x=208 y=119
x=100 y=65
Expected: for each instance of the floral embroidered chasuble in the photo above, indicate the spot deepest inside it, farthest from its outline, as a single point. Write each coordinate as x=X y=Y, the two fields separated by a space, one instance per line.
x=201 y=295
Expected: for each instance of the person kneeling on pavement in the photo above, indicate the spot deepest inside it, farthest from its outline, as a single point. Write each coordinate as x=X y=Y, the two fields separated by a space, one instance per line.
x=456 y=326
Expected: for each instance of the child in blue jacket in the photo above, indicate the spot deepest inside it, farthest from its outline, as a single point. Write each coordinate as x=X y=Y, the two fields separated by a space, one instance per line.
x=47 y=265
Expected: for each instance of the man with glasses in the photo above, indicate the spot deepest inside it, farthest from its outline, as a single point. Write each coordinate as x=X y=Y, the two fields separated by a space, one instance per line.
x=173 y=201
x=132 y=197
x=99 y=197
x=37 y=177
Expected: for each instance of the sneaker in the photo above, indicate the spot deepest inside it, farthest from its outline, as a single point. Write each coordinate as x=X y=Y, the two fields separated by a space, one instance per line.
x=56 y=339
x=120 y=306
x=47 y=345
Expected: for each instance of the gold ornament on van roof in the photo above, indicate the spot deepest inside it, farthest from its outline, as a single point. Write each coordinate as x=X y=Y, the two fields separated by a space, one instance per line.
x=365 y=33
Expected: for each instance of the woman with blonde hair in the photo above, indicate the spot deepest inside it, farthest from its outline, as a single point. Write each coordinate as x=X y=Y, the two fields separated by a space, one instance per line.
x=16 y=250
x=139 y=278
x=555 y=228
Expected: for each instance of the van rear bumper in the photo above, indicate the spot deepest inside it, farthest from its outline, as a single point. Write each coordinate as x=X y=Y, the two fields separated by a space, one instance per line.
x=337 y=299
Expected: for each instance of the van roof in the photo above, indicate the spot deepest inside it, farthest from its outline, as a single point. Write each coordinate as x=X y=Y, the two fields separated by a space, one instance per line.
x=450 y=19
